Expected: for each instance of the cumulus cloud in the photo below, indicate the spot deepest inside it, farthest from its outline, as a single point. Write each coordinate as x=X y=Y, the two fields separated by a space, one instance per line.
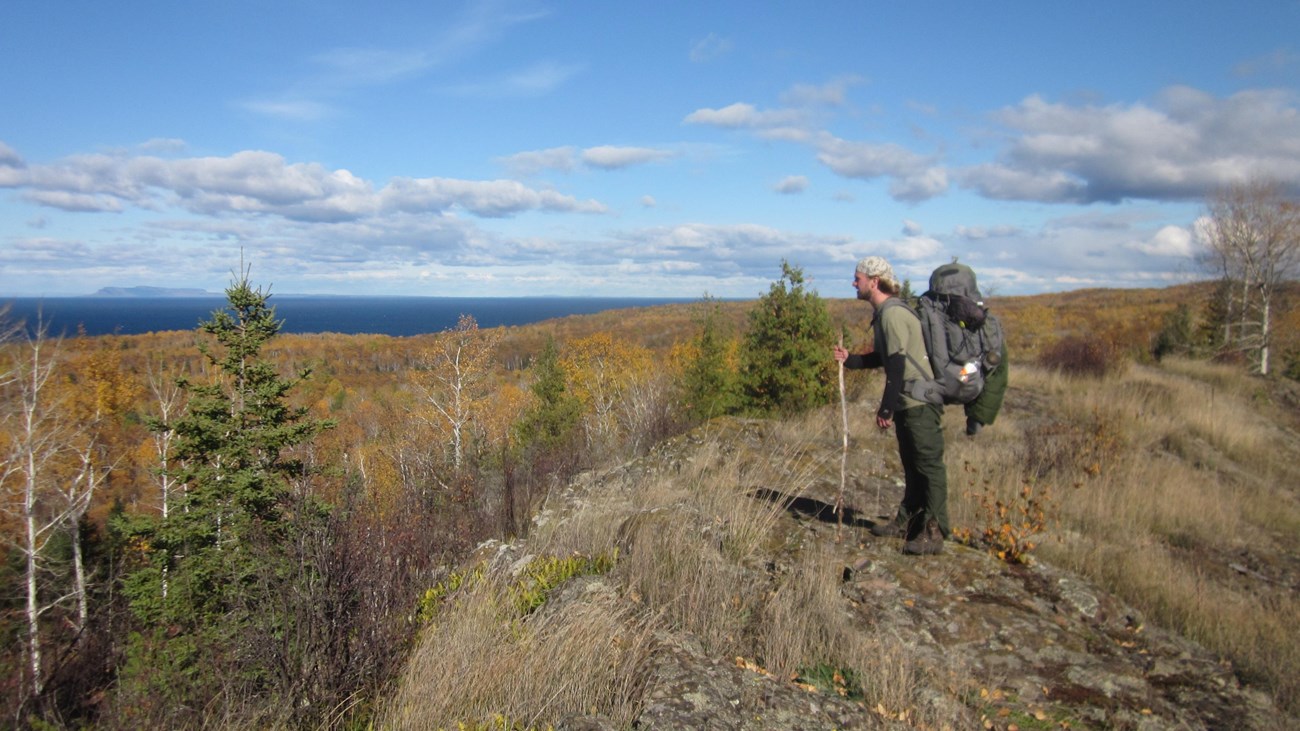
x=744 y=116
x=1168 y=241
x=487 y=198
x=791 y=185
x=254 y=182
x=1182 y=147
x=911 y=228
x=565 y=159
x=1108 y=247
x=914 y=177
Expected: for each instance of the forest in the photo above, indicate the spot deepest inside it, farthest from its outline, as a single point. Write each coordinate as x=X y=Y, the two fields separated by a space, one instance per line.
x=234 y=527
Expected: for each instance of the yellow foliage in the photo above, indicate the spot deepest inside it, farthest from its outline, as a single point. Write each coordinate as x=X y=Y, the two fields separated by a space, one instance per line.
x=1011 y=527
x=601 y=371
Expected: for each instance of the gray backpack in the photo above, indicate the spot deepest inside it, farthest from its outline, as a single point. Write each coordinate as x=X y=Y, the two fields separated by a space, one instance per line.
x=964 y=340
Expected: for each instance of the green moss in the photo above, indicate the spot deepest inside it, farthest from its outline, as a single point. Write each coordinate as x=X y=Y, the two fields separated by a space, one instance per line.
x=530 y=591
x=434 y=596
x=544 y=574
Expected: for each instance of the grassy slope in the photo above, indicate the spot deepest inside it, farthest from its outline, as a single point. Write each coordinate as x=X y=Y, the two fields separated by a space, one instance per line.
x=1175 y=487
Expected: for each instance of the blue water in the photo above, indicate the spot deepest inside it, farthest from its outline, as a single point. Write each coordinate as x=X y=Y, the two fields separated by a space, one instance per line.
x=398 y=316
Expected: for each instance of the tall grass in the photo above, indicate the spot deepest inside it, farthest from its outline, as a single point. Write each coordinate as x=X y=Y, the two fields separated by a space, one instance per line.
x=1162 y=480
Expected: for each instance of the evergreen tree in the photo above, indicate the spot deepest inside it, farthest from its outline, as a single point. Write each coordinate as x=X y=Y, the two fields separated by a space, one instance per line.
x=553 y=419
x=211 y=573
x=907 y=295
x=1218 y=317
x=786 y=363
x=1177 y=335
x=708 y=381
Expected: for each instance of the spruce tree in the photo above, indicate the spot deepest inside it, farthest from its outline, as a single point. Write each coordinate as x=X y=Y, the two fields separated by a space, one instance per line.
x=786 y=358
x=708 y=381
x=553 y=419
x=209 y=574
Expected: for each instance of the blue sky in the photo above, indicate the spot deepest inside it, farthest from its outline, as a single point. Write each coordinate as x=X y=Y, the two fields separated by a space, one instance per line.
x=672 y=149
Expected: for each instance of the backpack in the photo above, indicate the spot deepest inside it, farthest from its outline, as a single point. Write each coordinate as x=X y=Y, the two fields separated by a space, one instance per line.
x=963 y=339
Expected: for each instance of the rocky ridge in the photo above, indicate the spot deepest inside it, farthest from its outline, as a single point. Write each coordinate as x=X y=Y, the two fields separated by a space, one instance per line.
x=1000 y=645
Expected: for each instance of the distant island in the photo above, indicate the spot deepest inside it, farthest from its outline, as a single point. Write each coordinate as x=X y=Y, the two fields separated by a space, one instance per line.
x=151 y=292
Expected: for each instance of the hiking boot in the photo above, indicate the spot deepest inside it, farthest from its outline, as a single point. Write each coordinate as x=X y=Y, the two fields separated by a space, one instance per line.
x=929 y=542
x=893 y=529
x=973 y=426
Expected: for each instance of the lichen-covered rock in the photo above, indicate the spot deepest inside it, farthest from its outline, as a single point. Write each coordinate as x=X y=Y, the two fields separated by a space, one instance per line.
x=688 y=690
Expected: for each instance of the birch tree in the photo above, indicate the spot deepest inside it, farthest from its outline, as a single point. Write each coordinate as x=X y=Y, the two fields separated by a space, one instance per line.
x=452 y=380
x=1253 y=237
x=33 y=443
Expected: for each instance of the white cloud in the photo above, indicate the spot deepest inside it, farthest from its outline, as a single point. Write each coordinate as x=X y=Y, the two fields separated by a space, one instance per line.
x=744 y=116
x=609 y=157
x=921 y=185
x=709 y=48
x=487 y=198
x=792 y=185
x=561 y=159
x=912 y=228
x=9 y=157
x=1168 y=241
x=649 y=201
x=979 y=233
x=916 y=248
x=253 y=182
x=565 y=159
x=1181 y=148
x=75 y=202
x=914 y=177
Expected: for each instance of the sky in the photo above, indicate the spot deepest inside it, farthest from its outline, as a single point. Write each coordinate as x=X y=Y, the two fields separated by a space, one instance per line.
x=631 y=149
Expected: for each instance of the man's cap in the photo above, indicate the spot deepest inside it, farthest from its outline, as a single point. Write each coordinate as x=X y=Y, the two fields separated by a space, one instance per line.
x=875 y=266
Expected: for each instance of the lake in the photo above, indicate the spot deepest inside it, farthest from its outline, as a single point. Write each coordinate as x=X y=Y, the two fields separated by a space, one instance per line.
x=397 y=316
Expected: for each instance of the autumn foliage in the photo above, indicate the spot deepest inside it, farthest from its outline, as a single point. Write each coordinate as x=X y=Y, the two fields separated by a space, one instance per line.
x=247 y=527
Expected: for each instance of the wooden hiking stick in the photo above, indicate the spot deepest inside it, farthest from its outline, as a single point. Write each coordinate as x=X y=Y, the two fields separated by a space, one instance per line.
x=844 y=453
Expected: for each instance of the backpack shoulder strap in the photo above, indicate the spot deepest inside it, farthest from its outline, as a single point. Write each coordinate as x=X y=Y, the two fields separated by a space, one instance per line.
x=896 y=302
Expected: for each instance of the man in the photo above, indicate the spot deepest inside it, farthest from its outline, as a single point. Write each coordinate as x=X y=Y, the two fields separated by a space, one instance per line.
x=900 y=350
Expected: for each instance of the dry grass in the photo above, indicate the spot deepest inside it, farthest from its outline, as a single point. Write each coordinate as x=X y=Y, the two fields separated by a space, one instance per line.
x=477 y=660
x=1165 y=483
x=693 y=542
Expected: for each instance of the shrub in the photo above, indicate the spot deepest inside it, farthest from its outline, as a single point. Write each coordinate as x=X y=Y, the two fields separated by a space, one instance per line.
x=1080 y=355
x=787 y=366
x=1011 y=526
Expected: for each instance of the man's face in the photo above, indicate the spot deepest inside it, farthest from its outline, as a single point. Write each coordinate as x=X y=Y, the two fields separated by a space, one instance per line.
x=863 y=284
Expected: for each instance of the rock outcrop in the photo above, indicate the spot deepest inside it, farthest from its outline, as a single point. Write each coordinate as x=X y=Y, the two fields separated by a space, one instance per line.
x=989 y=644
